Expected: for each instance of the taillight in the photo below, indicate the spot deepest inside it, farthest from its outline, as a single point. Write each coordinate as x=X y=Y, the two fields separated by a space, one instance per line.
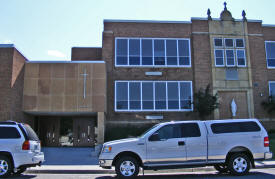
x=26 y=145
x=266 y=142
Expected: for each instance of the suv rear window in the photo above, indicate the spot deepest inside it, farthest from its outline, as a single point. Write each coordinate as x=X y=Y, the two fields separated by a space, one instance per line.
x=9 y=133
x=231 y=127
x=30 y=133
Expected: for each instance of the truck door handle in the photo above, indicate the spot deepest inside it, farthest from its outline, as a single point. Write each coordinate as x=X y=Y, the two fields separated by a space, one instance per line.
x=181 y=143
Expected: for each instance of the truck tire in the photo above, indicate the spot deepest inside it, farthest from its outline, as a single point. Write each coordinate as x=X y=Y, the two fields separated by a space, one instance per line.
x=127 y=167
x=222 y=168
x=239 y=164
x=5 y=166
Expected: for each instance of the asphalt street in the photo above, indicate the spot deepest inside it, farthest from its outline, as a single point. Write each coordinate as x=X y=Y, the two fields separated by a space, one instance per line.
x=254 y=174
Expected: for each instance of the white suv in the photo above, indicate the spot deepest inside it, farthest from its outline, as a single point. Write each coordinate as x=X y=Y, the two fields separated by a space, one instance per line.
x=19 y=148
x=228 y=145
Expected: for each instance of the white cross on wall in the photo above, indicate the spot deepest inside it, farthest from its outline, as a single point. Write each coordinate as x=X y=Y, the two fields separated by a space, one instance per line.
x=84 y=83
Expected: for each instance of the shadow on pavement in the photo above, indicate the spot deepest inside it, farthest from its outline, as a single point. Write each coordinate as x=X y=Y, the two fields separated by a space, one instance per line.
x=69 y=156
x=208 y=175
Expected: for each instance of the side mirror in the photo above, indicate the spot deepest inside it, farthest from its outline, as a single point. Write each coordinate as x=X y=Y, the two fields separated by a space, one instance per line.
x=154 y=137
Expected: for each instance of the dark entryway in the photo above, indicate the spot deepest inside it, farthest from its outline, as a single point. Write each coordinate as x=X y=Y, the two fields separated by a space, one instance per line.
x=67 y=131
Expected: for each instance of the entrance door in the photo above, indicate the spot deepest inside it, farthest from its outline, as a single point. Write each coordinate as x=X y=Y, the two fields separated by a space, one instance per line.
x=225 y=100
x=84 y=132
x=49 y=131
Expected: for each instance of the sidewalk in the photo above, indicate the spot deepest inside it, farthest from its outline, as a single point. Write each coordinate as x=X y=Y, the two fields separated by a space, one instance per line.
x=81 y=161
x=95 y=169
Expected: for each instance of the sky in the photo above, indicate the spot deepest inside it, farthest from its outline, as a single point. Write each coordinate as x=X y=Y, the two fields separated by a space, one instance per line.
x=48 y=29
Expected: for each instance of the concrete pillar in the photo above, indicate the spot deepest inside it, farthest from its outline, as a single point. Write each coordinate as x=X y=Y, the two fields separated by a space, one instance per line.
x=100 y=127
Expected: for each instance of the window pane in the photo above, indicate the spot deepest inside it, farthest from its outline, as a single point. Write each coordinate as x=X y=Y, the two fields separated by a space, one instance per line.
x=230 y=58
x=159 y=52
x=147 y=52
x=185 y=95
x=134 y=52
x=134 y=90
x=171 y=52
x=169 y=132
x=241 y=57
x=184 y=60
x=173 y=95
x=122 y=47
x=229 y=42
x=219 y=57
x=9 y=133
x=272 y=89
x=270 y=50
x=220 y=128
x=218 y=42
x=134 y=47
x=239 y=43
x=160 y=95
x=171 y=47
x=183 y=47
x=147 y=95
x=122 y=95
x=190 y=130
x=121 y=51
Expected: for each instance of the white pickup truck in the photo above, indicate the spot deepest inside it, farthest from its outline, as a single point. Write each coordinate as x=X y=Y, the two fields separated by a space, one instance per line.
x=228 y=145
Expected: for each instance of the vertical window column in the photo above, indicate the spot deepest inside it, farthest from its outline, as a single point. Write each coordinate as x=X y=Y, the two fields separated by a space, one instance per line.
x=122 y=52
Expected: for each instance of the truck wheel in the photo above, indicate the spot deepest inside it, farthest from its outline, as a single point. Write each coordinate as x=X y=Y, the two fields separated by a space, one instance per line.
x=239 y=164
x=5 y=166
x=222 y=168
x=127 y=167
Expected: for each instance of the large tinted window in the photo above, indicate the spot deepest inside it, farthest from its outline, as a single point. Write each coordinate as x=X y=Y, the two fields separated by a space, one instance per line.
x=232 y=127
x=9 y=133
x=153 y=95
x=152 y=52
x=190 y=130
x=30 y=133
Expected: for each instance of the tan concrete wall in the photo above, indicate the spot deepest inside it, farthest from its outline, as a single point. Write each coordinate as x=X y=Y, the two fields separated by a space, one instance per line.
x=222 y=86
x=59 y=87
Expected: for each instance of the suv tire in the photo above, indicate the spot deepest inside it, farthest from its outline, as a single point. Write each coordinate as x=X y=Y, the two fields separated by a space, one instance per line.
x=127 y=167
x=222 y=168
x=239 y=164
x=5 y=166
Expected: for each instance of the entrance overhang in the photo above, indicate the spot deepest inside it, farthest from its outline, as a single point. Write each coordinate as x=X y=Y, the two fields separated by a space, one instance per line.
x=45 y=113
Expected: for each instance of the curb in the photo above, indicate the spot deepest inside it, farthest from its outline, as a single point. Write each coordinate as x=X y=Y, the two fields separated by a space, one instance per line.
x=112 y=171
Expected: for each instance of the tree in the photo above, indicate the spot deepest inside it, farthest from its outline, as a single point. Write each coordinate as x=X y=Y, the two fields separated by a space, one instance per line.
x=269 y=105
x=205 y=103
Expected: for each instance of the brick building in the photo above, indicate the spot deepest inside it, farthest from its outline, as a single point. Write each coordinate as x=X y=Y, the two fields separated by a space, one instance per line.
x=145 y=72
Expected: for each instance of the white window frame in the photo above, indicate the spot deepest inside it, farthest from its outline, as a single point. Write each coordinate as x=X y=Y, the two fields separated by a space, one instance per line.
x=153 y=110
x=233 y=39
x=233 y=57
x=234 y=48
x=244 y=57
x=269 y=89
x=222 y=57
x=269 y=67
x=153 y=55
x=218 y=46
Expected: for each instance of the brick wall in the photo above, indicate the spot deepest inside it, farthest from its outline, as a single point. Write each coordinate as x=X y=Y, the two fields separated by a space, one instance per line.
x=260 y=73
x=86 y=54
x=200 y=59
x=12 y=82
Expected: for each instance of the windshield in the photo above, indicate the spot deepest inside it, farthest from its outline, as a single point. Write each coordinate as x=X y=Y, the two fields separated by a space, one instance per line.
x=31 y=134
x=148 y=130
